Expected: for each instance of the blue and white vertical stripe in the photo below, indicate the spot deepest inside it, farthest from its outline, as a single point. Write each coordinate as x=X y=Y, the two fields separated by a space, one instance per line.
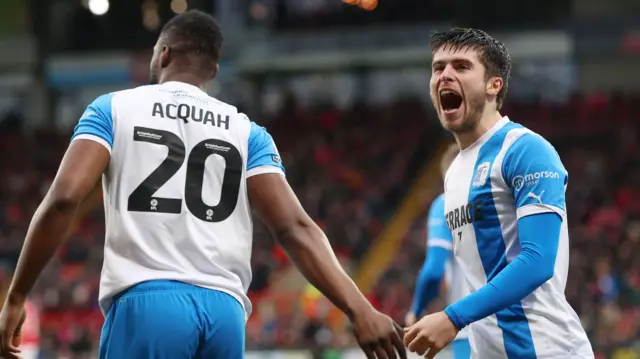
x=487 y=189
x=492 y=245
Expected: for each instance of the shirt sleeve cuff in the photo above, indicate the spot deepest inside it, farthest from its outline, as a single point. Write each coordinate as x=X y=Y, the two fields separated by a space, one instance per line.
x=455 y=319
x=94 y=138
x=535 y=208
x=438 y=242
x=262 y=170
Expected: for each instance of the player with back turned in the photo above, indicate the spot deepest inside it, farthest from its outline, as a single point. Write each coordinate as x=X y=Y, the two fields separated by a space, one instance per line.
x=440 y=264
x=179 y=171
x=505 y=208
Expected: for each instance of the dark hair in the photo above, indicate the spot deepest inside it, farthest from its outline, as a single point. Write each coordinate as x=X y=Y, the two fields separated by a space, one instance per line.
x=493 y=54
x=195 y=33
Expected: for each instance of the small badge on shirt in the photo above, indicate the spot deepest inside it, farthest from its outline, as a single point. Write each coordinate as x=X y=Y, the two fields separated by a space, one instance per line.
x=482 y=172
x=89 y=113
x=276 y=159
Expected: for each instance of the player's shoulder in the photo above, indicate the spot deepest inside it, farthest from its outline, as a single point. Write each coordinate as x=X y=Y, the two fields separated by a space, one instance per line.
x=245 y=118
x=257 y=133
x=437 y=205
x=439 y=200
x=109 y=98
x=527 y=150
x=131 y=93
x=225 y=106
x=521 y=140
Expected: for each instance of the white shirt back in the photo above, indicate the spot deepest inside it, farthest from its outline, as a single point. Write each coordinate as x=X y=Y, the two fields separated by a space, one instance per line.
x=175 y=194
x=510 y=173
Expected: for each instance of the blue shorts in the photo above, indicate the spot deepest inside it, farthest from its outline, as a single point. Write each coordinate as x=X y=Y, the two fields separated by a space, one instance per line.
x=461 y=349
x=173 y=320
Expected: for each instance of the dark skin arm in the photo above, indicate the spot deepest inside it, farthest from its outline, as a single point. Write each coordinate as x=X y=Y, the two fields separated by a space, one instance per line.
x=308 y=247
x=17 y=335
x=90 y=202
x=78 y=175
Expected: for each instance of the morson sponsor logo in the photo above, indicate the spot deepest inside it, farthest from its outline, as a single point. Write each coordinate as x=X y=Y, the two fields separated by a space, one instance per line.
x=531 y=179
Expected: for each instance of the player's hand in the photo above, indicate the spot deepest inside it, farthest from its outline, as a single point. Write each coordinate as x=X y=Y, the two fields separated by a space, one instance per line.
x=378 y=335
x=12 y=317
x=409 y=319
x=430 y=334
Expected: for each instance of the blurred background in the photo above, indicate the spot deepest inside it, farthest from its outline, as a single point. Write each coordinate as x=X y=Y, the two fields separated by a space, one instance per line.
x=344 y=92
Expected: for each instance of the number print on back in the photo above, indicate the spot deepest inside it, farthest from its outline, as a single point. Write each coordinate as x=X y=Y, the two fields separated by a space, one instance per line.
x=230 y=180
x=142 y=199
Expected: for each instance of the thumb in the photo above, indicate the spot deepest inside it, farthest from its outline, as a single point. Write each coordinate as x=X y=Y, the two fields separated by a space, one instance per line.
x=11 y=342
x=17 y=339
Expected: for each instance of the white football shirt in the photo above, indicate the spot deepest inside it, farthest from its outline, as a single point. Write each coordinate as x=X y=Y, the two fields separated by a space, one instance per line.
x=175 y=194
x=509 y=173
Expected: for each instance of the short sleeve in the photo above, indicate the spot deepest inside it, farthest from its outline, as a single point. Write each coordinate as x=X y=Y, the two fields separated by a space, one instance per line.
x=535 y=175
x=438 y=233
x=96 y=123
x=263 y=155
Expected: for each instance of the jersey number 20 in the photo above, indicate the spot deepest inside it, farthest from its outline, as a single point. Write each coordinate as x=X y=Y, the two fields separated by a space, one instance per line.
x=142 y=198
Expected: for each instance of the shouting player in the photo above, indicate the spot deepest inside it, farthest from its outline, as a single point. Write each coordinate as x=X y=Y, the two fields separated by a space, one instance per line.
x=439 y=263
x=505 y=206
x=179 y=172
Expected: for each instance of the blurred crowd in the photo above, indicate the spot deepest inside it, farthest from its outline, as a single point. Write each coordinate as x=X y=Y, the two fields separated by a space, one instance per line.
x=350 y=168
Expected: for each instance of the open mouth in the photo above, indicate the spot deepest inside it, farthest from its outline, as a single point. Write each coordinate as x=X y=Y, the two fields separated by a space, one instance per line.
x=450 y=100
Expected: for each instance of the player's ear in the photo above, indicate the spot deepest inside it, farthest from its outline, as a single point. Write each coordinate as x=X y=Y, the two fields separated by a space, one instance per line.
x=215 y=71
x=165 y=56
x=494 y=85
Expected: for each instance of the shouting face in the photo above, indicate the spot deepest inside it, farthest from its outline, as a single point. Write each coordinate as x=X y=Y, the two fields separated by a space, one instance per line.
x=460 y=87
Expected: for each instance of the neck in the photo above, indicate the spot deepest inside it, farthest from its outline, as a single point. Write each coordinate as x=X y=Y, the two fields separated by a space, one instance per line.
x=184 y=78
x=487 y=121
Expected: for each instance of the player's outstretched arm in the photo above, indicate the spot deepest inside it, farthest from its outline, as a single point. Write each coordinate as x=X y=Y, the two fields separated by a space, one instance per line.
x=539 y=238
x=80 y=170
x=439 y=244
x=429 y=279
x=307 y=246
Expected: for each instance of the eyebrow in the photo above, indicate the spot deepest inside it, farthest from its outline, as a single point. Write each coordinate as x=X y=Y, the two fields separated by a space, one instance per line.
x=454 y=60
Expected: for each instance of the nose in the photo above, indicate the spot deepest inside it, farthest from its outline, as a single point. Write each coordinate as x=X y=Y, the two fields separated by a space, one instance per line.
x=447 y=74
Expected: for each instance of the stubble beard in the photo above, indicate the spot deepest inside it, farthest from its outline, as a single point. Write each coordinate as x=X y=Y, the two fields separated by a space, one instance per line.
x=475 y=109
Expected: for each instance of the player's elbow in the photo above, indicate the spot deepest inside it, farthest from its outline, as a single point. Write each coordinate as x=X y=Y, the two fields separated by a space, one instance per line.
x=64 y=204
x=67 y=193
x=293 y=232
x=434 y=267
x=62 y=200
x=430 y=275
x=546 y=272
x=540 y=276
x=300 y=232
x=542 y=265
